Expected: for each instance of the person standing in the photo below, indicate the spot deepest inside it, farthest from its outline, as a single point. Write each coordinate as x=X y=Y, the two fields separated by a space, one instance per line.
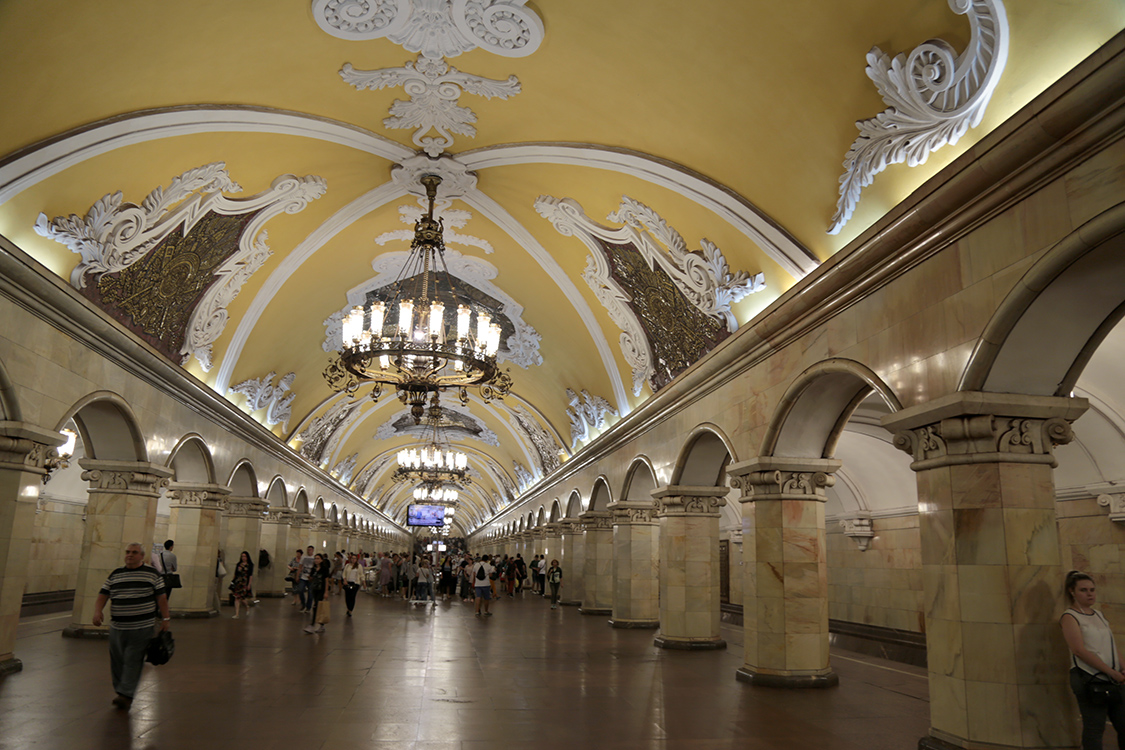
x=318 y=584
x=135 y=593
x=164 y=560
x=353 y=576
x=424 y=587
x=1095 y=663
x=242 y=582
x=295 y=568
x=554 y=580
x=307 y=561
x=482 y=582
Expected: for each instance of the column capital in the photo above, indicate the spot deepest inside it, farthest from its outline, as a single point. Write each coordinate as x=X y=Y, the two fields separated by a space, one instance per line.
x=637 y=512
x=298 y=520
x=688 y=500
x=554 y=528
x=971 y=427
x=596 y=520
x=279 y=515
x=570 y=526
x=783 y=478
x=246 y=506
x=203 y=496
x=125 y=477
x=27 y=447
x=538 y=533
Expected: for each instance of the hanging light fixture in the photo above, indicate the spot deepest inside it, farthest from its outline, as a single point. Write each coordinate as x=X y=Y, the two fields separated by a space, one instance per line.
x=436 y=462
x=422 y=339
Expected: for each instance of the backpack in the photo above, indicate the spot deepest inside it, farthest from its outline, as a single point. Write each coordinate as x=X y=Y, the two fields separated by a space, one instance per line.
x=480 y=572
x=263 y=559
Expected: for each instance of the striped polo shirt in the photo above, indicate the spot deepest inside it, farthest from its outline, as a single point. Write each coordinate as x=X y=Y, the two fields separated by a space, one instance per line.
x=132 y=597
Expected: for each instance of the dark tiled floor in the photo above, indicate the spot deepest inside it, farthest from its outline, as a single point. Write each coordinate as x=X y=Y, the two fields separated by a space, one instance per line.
x=398 y=677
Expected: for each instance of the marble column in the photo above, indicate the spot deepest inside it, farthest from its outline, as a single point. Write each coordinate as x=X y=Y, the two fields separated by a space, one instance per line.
x=785 y=606
x=991 y=567
x=276 y=541
x=336 y=538
x=597 y=589
x=194 y=525
x=636 y=562
x=573 y=563
x=25 y=453
x=243 y=531
x=689 y=566
x=552 y=542
x=316 y=529
x=121 y=510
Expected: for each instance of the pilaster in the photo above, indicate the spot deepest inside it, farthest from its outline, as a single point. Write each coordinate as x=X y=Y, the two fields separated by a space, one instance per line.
x=573 y=562
x=636 y=554
x=597 y=592
x=242 y=522
x=689 y=566
x=194 y=525
x=785 y=608
x=991 y=567
x=121 y=510
x=276 y=539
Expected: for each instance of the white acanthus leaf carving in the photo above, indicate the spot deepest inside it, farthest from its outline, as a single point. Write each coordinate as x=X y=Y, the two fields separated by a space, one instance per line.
x=586 y=413
x=261 y=393
x=1116 y=505
x=323 y=434
x=703 y=277
x=450 y=218
x=114 y=235
x=546 y=449
x=933 y=97
x=434 y=89
x=343 y=471
x=435 y=28
x=524 y=478
x=521 y=348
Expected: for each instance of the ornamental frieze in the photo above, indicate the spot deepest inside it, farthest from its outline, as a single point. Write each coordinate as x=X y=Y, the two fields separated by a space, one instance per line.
x=636 y=513
x=674 y=501
x=111 y=479
x=968 y=439
x=593 y=520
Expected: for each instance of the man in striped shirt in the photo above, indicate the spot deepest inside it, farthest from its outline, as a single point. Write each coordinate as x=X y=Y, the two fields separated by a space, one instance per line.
x=135 y=593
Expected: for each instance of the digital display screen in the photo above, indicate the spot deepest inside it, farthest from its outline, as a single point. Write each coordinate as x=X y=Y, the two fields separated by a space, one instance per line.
x=425 y=515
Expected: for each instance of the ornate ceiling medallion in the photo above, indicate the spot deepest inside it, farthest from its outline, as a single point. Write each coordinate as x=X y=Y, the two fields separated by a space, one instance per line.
x=173 y=289
x=674 y=305
x=933 y=97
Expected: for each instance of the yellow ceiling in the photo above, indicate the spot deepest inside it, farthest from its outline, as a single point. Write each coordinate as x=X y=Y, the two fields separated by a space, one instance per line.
x=756 y=100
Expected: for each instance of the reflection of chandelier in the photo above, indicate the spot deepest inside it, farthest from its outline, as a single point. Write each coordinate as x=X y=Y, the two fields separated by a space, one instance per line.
x=421 y=340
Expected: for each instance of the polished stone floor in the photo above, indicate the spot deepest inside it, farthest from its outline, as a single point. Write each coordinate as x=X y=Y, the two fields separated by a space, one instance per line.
x=394 y=676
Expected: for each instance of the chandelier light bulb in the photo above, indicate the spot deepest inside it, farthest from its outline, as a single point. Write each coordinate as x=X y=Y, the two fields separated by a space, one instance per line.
x=483 y=319
x=405 y=314
x=352 y=326
x=437 y=320
x=378 y=313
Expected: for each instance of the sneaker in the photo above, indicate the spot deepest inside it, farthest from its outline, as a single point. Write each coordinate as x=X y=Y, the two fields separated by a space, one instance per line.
x=122 y=701
x=310 y=629
x=349 y=613
x=235 y=617
x=319 y=629
x=488 y=614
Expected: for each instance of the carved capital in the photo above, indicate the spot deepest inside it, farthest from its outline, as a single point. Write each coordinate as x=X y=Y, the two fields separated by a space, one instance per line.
x=25 y=447
x=552 y=529
x=783 y=478
x=247 y=507
x=596 y=520
x=970 y=427
x=632 y=512
x=1116 y=505
x=202 y=496
x=279 y=515
x=858 y=528
x=570 y=526
x=125 y=477
x=538 y=534
x=689 y=501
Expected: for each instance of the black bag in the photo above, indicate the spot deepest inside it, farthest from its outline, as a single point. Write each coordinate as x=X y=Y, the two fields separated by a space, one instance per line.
x=480 y=573
x=160 y=648
x=263 y=559
x=1100 y=689
x=172 y=581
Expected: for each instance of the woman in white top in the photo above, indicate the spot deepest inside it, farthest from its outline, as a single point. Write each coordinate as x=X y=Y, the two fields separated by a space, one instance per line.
x=353 y=575
x=1094 y=658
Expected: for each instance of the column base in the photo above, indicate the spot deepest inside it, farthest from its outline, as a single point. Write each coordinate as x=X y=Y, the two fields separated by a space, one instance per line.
x=85 y=631
x=831 y=679
x=595 y=611
x=635 y=624
x=679 y=644
x=11 y=666
x=193 y=614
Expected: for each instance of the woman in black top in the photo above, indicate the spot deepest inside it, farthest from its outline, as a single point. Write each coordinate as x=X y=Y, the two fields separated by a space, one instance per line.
x=318 y=581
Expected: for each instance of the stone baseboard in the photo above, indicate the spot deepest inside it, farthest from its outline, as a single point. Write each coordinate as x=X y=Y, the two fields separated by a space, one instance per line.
x=595 y=611
x=715 y=644
x=788 y=681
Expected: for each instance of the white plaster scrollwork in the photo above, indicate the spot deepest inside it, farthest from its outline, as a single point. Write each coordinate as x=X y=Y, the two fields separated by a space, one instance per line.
x=113 y=235
x=524 y=478
x=858 y=528
x=933 y=97
x=261 y=393
x=546 y=449
x=344 y=469
x=1116 y=505
x=457 y=180
x=434 y=90
x=435 y=28
x=450 y=218
x=521 y=348
x=586 y=413
x=320 y=438
x=702 y=276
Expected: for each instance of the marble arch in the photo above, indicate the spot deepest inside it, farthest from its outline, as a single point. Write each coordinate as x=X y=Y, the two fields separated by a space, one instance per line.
x=301 y=501
x=1073 y=297
x=600 y=495
x=191 y=460
x=247 y=479
x=704 y=457
x=640 y=481
x=108 y=428
x=811 y=415
x=9 y=399
x=573 y=505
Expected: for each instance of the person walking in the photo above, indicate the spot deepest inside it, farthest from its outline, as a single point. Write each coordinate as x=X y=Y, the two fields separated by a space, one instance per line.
x=164 y=560
x=242 y=582
x=410 y=577
x=424 y=588
x=554 y=580
x=307 y=561
x=135 y=594
x=353 y=577
x=1095 y=663
x=295 y=568
x=482 y=583
x=386 y=570
x=337 y=580
x=318 y=584
x=448 y=583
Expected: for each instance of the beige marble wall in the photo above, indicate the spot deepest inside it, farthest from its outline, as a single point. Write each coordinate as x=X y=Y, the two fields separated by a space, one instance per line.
x=636 y=565
x=689 y=567
x=1092 y=543
x=56 y=544
x=195 y=525
x=573 y=563
x=597 y=592
x=881 y=586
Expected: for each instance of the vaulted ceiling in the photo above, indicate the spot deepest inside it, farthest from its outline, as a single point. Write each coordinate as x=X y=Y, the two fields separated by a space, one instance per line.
x=719 y=127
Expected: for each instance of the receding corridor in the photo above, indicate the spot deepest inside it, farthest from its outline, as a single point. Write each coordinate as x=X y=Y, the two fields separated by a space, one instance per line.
x=398 y=677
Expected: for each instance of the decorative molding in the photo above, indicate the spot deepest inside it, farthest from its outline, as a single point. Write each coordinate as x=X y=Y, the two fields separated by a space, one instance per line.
x=546 y=449
x=703 y=277
x=457 y=180
x=457 y=422
x=260 y=393
x=596 y=520
x=690 y=505
x=246 y=507
x=984 y=438
x=524 y=478
x=114 y=235
x=319 y=439
x=449 y=218
x=1116 y=505
x=586 y=413
x=783 y=478
x=434 y=88
x=521 y=348
x=363 y=481
x=344 y=469
x=933 y=97
x=629 y=513
x=435 y=28
x=860 y=529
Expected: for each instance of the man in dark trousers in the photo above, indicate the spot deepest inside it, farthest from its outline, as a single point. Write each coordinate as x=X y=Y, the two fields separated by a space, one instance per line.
x=135 y=593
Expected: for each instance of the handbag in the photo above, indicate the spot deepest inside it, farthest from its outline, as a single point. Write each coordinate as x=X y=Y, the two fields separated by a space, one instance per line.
x=1101 y=691
x=323 y=613
x=220 y=570
x=160 y=648
x=171 y=580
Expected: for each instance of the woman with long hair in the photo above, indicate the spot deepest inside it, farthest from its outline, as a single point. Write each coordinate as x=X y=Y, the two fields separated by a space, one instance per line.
x=318 y=583
x=1095 y=663
x=240 y=585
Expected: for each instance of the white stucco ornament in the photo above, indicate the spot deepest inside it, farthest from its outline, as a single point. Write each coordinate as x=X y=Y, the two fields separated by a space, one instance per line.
x=933 y=97
x=261 y=393
x=586 y=413
x=435 y=28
